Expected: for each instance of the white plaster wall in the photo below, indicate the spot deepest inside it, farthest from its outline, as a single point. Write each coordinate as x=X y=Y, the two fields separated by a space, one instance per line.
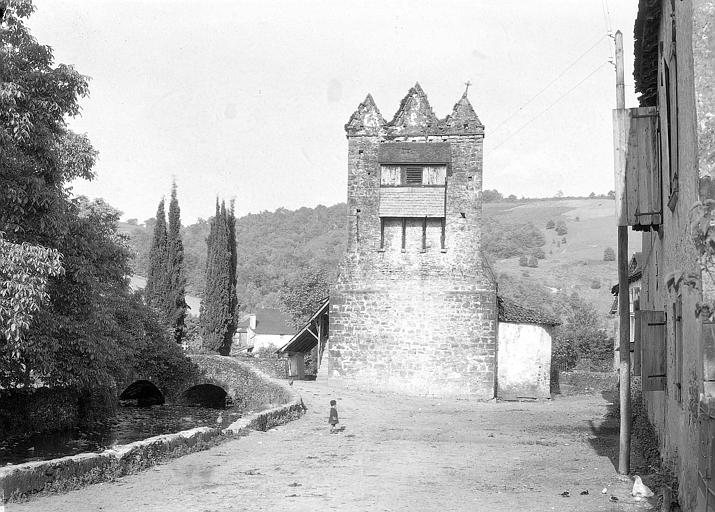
x=276 y=341
x=523 y=361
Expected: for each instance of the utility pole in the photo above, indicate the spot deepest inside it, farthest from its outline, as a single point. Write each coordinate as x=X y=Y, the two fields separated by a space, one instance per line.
x=624 y=368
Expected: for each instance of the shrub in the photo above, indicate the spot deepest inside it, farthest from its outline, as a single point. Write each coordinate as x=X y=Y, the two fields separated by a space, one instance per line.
x=532 y=262
x=595 y=284
x=550 y=224
x=563 y=240
x=561 y=228
x=523 y=261
x=539 y=253
x=609 y=254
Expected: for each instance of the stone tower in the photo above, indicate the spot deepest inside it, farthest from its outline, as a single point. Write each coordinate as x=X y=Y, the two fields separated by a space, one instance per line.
x=414 y=307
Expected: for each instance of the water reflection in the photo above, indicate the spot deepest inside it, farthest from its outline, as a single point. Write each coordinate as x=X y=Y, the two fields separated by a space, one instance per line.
x=131 y=424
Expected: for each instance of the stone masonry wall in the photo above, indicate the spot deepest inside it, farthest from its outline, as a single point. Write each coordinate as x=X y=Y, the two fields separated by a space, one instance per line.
x=417 y=337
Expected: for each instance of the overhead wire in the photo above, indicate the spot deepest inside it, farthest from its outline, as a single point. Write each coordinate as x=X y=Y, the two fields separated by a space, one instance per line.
x=562 y=96
x=552 y=82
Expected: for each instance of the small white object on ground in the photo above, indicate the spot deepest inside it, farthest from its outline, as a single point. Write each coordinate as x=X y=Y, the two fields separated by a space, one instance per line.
x=605 y=490
x=641 y=490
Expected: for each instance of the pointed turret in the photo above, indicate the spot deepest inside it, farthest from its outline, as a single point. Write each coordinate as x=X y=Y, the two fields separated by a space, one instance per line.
x=415 y=115
x=463 y=119
x=366 y=120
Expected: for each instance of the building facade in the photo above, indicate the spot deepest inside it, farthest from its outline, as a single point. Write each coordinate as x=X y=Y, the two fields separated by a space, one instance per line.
x=674 y=73
x=414 y=308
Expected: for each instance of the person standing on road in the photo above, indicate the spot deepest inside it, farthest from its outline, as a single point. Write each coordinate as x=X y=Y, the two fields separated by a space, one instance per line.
x=333 y=419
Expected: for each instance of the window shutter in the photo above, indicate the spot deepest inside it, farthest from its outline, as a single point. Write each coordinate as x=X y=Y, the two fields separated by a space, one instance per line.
x=653 y=354
x=642 y=195
x=413 y=176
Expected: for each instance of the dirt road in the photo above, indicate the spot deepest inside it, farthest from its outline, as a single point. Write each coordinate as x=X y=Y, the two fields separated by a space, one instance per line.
x=396 y=453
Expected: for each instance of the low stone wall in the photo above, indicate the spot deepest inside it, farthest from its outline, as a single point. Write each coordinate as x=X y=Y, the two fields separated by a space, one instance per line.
x=72 y=472
x=274 y=366
x=579 y=382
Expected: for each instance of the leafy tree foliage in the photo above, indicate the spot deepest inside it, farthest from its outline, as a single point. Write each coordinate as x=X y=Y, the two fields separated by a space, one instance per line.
x=219 y=303
x=500 y=240
x=301 y=295
x=489 y=196
x=175 y=306
x=609 y=254
x=24 y=272
x=81 y=335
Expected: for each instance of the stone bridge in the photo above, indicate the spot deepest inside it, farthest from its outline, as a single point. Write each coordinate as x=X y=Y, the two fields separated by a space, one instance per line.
x=220 y=378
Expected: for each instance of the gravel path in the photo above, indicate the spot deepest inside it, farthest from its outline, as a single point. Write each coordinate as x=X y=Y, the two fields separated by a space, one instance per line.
x=395 y=453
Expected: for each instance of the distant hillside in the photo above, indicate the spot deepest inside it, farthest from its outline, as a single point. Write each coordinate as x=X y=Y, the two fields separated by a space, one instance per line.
x=573 y=266
x=275 y=247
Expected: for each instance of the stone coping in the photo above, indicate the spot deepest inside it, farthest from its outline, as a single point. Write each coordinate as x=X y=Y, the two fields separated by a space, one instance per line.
x=74 y=471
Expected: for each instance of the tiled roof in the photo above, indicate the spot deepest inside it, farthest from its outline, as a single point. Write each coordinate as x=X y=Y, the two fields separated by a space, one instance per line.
x=510 y=311
x=273 y=321
x=645 y=49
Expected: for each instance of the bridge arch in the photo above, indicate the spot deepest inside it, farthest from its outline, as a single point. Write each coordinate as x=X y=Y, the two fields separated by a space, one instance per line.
x=205 y=395
x=145 y=392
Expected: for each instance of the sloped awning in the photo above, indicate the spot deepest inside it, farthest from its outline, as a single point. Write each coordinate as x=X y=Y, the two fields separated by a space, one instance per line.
x=306 y=338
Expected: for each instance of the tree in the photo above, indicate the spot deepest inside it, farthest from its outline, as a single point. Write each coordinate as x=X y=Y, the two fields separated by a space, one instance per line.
x=609 y=254
x=24 y=273
x=301 y=295
x=489 y=196
x=611 y=194
x=80 y=331
x=219 y=304
x=550 y=224
x=175 y=303
x=592 y=195
x=524 y=261
x=157 y=284
x=561 y=228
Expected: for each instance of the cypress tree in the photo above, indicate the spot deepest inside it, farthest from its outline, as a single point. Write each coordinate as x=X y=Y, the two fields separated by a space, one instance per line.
x=156 y=282
x=233 y=297
x=175 y=302
x=219 y=303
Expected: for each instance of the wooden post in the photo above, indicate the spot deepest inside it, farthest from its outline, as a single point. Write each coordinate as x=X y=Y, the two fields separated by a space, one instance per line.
x=624 y=367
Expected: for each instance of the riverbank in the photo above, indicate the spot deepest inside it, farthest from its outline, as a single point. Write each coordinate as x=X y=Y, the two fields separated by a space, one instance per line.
x=73 y=472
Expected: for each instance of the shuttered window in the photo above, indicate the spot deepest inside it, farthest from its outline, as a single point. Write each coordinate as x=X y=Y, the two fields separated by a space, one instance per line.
x=413 y=175
x=653 y=354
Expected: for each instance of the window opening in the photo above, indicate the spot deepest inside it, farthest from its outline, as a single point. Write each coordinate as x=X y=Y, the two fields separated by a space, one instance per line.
x=413 y=175
x=424 y=234
x=382 y=233
x=404 y=233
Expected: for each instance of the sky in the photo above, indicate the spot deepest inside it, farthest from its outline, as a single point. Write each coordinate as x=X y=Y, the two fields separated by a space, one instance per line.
x=247 y=100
